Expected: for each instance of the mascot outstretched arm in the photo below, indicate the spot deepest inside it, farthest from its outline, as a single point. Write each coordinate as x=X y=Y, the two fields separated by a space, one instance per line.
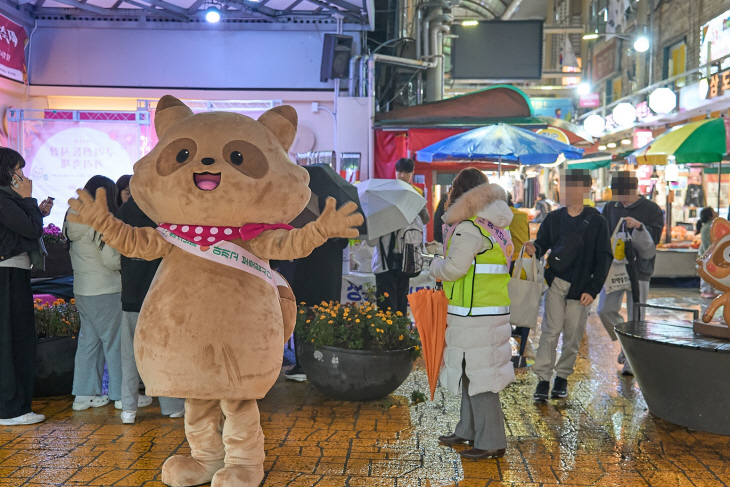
x=221 y=188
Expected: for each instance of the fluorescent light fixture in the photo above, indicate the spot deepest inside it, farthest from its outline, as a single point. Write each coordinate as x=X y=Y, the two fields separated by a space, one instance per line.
x=594 y=125
x=641 y=44
x=625 y=142
x=212 y=15
x=611 y=145
x=584 y=88
x=470 y=23
x=601 y=147
x=590 y=37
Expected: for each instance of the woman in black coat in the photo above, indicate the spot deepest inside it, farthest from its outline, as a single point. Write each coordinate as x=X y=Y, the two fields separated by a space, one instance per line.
x=21 y=228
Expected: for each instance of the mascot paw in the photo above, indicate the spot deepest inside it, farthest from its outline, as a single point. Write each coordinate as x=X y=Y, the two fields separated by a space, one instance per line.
x=186 y=471
x=239 y=476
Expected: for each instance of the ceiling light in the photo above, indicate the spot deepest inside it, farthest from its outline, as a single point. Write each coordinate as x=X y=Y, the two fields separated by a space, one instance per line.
x=624 y=114
x=625 y=142
x=663 y=100
x=641 y=44
x=470 y=23
x=212 y=15
x=594 y=125
x=611 y=145
x=584 y=89
x=590 y=37
x=601 y=147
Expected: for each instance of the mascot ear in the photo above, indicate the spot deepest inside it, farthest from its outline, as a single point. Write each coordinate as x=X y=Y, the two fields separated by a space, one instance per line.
x=720 y=227
x=169 y=110
x=282 y=121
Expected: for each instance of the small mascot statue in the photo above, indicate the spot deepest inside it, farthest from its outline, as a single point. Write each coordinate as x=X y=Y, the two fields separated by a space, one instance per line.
x=714 y=268
x=222 y=189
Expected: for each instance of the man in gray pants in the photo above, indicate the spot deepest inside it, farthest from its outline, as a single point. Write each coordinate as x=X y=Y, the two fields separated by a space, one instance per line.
x=137 y=275
x=645 y=223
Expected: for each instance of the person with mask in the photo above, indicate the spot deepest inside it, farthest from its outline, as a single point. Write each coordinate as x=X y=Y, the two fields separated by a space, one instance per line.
x=580 y=256
x=644 y=223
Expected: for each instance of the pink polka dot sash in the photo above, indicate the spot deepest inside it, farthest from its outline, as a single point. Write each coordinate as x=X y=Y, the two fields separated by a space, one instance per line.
x=211 y=235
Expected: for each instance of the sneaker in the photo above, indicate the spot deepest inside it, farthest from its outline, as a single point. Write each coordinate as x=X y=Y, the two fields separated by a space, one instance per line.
x=541 y=392
x=627 y=369
x=28 y=418
x=296 y=373
x=128 y=417
x=178 y=414
x=142 y=402
x=93 y=402
x=560 y=388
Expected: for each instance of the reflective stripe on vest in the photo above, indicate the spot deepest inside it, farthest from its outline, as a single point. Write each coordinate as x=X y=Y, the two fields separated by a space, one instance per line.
x=482 y=291
x=491 y=269
x=485 y=311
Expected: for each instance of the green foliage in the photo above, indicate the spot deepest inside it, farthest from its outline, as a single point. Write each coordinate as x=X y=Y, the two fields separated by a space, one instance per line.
x=56 y=320
x=356 y=327
x=417 y=397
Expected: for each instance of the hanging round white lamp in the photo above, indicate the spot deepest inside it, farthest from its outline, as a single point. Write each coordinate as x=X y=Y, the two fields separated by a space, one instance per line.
x=624 y=114
x=663 y=100
x=594 y=125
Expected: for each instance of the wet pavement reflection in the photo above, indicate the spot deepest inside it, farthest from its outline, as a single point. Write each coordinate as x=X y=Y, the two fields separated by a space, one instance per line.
x=601 y=435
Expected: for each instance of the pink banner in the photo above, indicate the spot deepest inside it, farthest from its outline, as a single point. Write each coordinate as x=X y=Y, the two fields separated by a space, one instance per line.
x=13 y=39
x=61 y=156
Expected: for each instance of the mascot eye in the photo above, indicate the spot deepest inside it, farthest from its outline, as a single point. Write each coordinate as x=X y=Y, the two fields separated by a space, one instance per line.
x=721 y=255
x=182 y=156
x=236 y=158
x=175 y=155
x=246 y=158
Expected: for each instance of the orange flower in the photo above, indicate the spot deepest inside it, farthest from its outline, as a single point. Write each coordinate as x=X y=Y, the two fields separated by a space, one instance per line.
x=37 y=300
x=386 y=295
x=301 y=311
x=389 y=322
x=400 y=337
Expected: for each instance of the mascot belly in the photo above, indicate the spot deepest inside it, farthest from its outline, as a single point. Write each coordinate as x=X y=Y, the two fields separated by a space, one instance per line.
x=193 y=340
x=211 y=331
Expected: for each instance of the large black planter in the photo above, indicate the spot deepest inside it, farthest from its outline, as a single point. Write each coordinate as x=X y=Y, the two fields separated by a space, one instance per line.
x=354 y=375
x=54 y=366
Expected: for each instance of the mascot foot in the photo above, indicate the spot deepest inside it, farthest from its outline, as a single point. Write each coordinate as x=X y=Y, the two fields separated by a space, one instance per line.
x=239 y=476
x=186 y=471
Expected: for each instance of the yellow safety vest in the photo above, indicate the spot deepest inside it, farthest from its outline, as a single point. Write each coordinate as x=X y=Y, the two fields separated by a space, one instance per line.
x=483 y=290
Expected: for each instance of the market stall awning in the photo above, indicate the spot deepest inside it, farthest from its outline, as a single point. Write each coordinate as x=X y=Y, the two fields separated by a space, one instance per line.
x=502 y=142
x=703 y=141
x=596 y=160
x=497 y=103
x=576 y=134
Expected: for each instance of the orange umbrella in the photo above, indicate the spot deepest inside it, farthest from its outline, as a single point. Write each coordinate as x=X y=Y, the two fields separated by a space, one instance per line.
x=429 y=307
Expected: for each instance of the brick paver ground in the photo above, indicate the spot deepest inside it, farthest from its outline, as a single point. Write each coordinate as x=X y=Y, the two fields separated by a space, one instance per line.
x=602 y=435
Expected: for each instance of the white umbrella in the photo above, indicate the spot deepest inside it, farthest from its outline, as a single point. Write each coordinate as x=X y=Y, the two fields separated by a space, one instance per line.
x=389 y=205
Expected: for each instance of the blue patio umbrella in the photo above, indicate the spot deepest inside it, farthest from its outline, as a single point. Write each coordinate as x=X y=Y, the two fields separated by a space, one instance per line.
x=500 y=142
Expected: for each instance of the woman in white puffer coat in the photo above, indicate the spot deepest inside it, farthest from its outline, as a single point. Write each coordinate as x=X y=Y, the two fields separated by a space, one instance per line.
x=475 y=276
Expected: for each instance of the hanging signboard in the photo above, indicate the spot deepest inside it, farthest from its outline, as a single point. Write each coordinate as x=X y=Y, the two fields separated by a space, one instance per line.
x=13 y=39
x=715 y=35
x=716 y=85
x=590 y=100
x=605 y=61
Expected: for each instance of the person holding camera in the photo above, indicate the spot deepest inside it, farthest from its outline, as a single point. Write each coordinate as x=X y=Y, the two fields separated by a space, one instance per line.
x=21 y=231
x=580 y=256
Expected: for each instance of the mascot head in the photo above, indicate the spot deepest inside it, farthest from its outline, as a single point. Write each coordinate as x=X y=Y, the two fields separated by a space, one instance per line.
x=220 y=168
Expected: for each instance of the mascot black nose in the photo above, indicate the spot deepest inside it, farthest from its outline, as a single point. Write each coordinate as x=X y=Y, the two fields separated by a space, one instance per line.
x=208 y=161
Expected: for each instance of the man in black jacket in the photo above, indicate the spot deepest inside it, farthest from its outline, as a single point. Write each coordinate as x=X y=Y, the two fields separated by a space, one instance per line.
x=573 y=289
x=137 y=275
x=645 y=223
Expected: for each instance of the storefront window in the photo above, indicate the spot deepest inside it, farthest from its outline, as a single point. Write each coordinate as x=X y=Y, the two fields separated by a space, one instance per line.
x=675 y=61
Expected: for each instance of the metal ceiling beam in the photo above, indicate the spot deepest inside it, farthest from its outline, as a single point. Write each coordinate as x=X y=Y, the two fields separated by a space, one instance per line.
x=251 y=11
x=346 y=5
x=147 y=8
x=85 y=6
x=330 y=8
x=511 y=9
x=477 y=8
x=167 y=6
x=195 y=6
x=291 y=7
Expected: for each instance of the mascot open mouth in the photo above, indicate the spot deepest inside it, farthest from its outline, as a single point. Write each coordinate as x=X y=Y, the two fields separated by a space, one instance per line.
x=207 y=181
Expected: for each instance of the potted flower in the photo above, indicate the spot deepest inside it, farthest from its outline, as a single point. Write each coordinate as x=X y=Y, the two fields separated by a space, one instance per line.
x=57 y=328
x=58 y=260
x=354 y=352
